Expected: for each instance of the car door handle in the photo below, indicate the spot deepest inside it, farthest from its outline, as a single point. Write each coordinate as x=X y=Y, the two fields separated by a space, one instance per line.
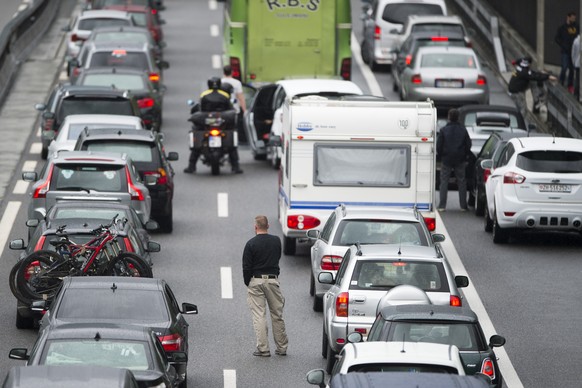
x=359 y=299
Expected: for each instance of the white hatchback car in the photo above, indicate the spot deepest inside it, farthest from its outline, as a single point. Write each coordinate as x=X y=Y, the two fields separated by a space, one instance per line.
x=73 y=125
x=535 y=184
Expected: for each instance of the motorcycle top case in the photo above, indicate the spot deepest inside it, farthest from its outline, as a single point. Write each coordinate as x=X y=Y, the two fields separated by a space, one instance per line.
x=199 y=118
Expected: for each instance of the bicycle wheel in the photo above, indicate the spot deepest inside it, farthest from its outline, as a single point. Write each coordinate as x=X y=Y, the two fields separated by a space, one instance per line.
x=40 y=274
x=130 y=264
x=14 y=286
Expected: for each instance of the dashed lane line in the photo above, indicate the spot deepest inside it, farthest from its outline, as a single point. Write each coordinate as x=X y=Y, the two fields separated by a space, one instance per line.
x=214 y=30
x=226 y=282
x=21 y=187
x=29 y=165
x=229 y=376
x=216 y=62
x=212 y=5
x=222 y=202
x=7 y=221
x=35 y=148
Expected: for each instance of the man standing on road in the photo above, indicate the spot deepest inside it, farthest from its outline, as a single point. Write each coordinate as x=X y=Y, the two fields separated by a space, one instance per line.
x=565 y=36
x=453 y=148
x=240 y=104
x=261 y=272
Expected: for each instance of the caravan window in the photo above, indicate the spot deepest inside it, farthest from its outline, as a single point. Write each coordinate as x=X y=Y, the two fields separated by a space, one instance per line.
x=362 y=165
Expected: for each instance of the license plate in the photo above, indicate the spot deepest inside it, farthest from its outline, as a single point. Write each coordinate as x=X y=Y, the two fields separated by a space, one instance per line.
x=214 y=142
x=448 y=83
x=555 y=188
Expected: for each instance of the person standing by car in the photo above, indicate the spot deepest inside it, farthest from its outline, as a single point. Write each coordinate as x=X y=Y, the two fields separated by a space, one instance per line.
x=261 y=272
x=239 y=103
x=453 y=148
x=565 y=36
x=576 y=61
x=522 y=78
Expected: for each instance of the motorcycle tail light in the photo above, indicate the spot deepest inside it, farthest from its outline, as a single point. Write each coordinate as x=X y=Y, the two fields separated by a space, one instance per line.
x=301 y=222
x=215 y=132
x=408 y=59
x=341 y=304
x=330 y=262
x=48 y=124
x=172 y=342
x=154 y=77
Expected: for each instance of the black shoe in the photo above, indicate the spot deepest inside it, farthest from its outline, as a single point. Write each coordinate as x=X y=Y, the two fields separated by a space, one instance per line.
x=237 y=170
x=261 y=354
x=190 y=170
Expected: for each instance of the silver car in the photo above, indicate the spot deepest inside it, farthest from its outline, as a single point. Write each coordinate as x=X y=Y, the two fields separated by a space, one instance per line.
x=450 y=76
x=367 y=272
x=348 y=225
x=88 y=176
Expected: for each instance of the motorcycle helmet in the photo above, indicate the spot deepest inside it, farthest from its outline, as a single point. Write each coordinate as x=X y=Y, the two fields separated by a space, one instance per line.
x=214 y=83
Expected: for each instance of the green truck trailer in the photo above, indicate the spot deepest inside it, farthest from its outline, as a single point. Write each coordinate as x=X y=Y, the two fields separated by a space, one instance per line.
x=268 y=40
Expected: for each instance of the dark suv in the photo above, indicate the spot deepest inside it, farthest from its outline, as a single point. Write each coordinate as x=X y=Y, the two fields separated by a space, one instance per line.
x=149 y=157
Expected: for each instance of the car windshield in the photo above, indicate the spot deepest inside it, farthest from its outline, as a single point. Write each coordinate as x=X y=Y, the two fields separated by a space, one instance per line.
x=398 y=13
x=411 y=368
x=117 y=81
x=94 y=105
x=76 y=129
x=117 y=354
x=86 y=177
x=462 y=335
x=373 y=231
x=121 y=304
x=562 y=162
x=138 y=151
x=92 y=23
x=448 y=60
x=120 y=58
x=386 y=274
x=443 y=27
x=121 y=36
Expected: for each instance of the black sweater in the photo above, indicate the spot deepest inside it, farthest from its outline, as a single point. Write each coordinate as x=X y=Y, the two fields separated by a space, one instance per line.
x=261 y=256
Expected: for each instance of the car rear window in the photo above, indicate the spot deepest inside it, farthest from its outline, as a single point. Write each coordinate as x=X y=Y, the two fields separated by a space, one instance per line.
x=563 y=162
x=386 y=274
x=72 y=177
x=140 y=19
x=471 y=119
x=448 y=60
x=121 y=36
x=76 y=129
x=398 y=13
x=95 y=105
x=123 y=304
x=138 y=151
x=396 y=367
x=441 y=27
x=118 y=81
x=440 y=41
x=379 y=232
x=463 y=335
x=91 y=24
x=120 y=58
x=95 y=213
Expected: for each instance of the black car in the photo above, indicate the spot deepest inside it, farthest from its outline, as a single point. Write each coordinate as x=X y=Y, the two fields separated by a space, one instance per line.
x=149 y=157
x=137 y=301
x=136 y=348
x=137 y=82
x=440 y=324
x=52 y=376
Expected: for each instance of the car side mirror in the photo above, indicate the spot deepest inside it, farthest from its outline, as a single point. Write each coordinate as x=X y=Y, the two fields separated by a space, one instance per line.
x=325 y=278
x=316 y=377
x=313 y=233
x=461 y=281
x=150 y=180
x=151 y=225
x=17 y=244
x=172 y=156
x=437 y=238
x=40 y=107
x=275 y=141
x=354 y=337
x=18 y=354
x=487 y=164
x=32 y=223
x=496 y=341
x=153 y=246
x=29 y=176
x=177 y=357
x=189 y=308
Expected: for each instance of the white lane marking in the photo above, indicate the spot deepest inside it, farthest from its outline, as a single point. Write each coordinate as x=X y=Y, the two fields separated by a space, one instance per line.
x=226 y=282
x=366 y=72
x=29 y=165
x=7 y=221
x=222 y=200
x=38 y=132
x=229 y=376
x=21 y=187
x=35 y=148
x=214 y=31
x=213 y=5
x=510 y=376
x=216 y=62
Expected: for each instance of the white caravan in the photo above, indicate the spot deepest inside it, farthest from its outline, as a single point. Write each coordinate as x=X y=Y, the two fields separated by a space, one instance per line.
x=359 y=151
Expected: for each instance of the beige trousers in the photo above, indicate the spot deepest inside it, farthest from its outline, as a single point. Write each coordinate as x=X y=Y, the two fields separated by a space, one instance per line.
x=260 y=293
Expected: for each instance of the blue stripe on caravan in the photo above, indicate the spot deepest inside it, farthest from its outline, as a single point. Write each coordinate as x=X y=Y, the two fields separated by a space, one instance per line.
x=332 y=205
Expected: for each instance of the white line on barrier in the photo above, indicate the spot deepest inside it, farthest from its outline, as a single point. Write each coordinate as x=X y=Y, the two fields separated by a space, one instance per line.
x=366 y=72
x=35 y=148
x=229 y=376
x=7 y=221
x=222 y=202
x=214 y=31
x=216 y=62
x=226 y=282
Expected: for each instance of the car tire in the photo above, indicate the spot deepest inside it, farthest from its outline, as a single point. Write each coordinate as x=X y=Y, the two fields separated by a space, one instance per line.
x=373 y=65
x=500 y=235
x=488 y=221
x=24 y=322
x=167 y=222
x=311 y=284
x=184 y=384
x=330 y=359
x=289 y=246
x=365 y=53
x=44 y=153
x=394 y=86
x=275 y=161
x=323 y=343
x=317 y=303
x=479 y=203
x=471 y=199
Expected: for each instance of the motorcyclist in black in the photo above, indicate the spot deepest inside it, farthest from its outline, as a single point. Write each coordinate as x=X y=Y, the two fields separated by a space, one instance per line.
x=214 y=99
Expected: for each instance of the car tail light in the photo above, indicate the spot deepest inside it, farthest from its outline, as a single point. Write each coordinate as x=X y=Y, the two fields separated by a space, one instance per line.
x=75 y=38
x=154 y=77
x=508 y=214
x=331 y=262
x=300 y=221
x=416 y=79
x=456 y=301
x=408 y=59
x=76 y=71
x=481 y=80
x=440 y=38
x=487 y=368
x=172 y=342
x=235 y=66
x=377 y=32
x=32 y=268
x=128 y=245
x=154 y=12
x=40 y=191
x=341 y=304
x=361 y=330
x=430 y=223
x=145 y=103
x=346 y=70
x=39 y=243
x=486 y=174
x=135 y=193
x=513 y=178
x=161 y=176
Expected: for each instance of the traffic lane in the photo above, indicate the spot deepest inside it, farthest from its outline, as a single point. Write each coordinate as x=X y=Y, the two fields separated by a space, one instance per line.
x=8 y=8
x=527 y=287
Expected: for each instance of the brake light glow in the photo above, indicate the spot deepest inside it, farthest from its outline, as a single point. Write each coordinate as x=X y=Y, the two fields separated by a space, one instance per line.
x=440 y=38
x=145 y=103
x=513 y=178
x=487 y=368
x=430 y=223
x=341 y=304
x=481 y=80
x=408 y=59
x=456 y=301
x=160 y=174
x=330 y=262
x=40 y=191
x=135 y=193
x=486 y=174
x=235 y=66
x=300 y=221
x=172 y=342
x=215 y=132
x=39 y=243
x=399 y=264
x=346 y=70
x=377 y=32
x=154 y=77
x=416 y=79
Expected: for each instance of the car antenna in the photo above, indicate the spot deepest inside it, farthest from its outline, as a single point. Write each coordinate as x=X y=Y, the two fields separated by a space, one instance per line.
x=399 y=245
x=359 y=247
x=554 y=138
x=114 y=287
x=518 y=139
x=97 y=336
x=403 y=343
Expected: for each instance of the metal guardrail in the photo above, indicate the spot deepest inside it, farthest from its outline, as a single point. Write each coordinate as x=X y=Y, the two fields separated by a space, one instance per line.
x=20 y=36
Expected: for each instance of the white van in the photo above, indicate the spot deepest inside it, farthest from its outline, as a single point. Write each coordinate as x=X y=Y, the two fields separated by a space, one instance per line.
x=383 y=22
x=359 y=151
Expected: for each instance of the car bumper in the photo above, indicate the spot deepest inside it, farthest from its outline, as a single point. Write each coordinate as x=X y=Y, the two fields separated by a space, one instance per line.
x=449 y=97
x=383 y=55
x=542 y=216
x=338 y=330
